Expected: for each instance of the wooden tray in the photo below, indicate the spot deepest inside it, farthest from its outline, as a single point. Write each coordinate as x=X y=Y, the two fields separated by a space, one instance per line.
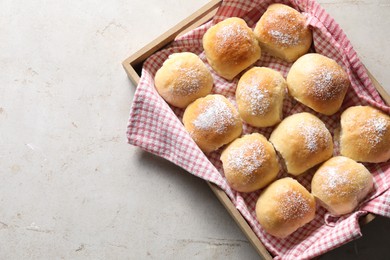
x=133 y=66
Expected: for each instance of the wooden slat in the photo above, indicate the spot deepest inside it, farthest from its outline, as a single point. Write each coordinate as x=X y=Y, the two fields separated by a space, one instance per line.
x=381 y=90
x=199 y=17
x=244 y=226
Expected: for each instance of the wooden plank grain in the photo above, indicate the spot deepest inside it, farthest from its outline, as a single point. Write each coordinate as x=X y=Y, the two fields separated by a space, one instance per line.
x=378 y=86
x=242 y=223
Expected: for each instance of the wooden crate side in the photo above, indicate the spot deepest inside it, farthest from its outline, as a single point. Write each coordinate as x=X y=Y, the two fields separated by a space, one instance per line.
x=239 y=219
x=379 y=87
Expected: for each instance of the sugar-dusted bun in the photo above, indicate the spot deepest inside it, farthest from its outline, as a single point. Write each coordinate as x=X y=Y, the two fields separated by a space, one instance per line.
x=365 y=134
x=282 y=31
x=259 y=95
x=340 y=184
x=303 y=141
x=250 y=163
x=230 y=47
x=318 y=82
x=284 y=206
x=182 y=79
x=212 y=122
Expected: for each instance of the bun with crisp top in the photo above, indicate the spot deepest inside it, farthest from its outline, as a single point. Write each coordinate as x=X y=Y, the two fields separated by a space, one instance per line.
x=212 y=122
x=303 y=141
x=284 y=206
x=250 y=163
x=318 y=82
x=230 y=47
x=282 y=31
x=365 y=134
x=182 y=79
x=260 y=93
x=340 y=184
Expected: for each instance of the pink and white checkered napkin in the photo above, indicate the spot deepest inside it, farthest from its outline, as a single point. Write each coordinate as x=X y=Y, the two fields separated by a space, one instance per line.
x=156 y=127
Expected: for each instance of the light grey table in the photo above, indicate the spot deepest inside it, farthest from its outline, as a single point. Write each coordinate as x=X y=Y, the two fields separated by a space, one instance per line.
x=70 y=186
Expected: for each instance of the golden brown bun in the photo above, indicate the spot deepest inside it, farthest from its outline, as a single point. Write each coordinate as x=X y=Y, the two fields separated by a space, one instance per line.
x=285 y=206
x=230 y=47
x=365 y=134
x=259 y=95
x=303 y=141
x=182 y=79
x=212 y=121
x=282 y=32
x=340 y=184
x=250 y=163
x=318 y=82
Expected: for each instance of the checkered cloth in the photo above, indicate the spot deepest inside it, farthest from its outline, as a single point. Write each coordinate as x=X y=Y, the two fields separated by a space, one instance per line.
x=157 y=128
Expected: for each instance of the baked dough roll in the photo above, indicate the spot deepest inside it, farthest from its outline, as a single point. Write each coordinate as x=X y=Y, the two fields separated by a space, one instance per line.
x=230 y=47
x=365 y=134
x=340 y=184
x=212 y=122
x=260 y=93
x=284 y=206
x=282 y=31
x=318 y=82
x=303 y=141
x=250 y=163
x=182 y=79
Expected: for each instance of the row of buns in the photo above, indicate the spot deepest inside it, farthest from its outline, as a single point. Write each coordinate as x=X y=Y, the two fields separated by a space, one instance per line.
x=314 y=80
x=298 y=142
x=302 y=139
x=339 y=185
x=230 y=47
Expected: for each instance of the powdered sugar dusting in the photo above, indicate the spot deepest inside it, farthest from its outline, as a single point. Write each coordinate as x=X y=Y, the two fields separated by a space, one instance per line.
x=257 y=98
x=293 y=205
x=284 y=38
x=283 y=12
x=312 y=134
x=247 y=158
x=374 y=129
x=229 y=34
x=324 y=84
x=188 y=81
x=217 y=116
x=334 y=180
x=285 y=27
